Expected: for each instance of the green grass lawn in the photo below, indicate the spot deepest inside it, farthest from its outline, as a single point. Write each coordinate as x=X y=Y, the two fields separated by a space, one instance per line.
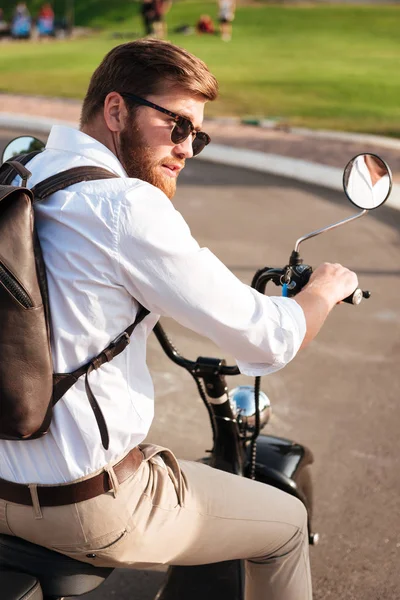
x=333 y=67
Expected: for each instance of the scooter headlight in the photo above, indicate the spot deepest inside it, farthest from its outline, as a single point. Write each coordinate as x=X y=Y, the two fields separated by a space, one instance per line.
x=242 y=399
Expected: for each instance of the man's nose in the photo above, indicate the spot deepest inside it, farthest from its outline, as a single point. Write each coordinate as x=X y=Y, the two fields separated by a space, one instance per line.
x=185 y=148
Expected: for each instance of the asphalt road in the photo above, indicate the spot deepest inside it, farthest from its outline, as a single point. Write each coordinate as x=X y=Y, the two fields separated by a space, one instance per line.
x=339 y=397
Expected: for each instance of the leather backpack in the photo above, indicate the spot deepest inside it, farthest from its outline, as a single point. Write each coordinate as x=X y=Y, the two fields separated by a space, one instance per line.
x=28 y=386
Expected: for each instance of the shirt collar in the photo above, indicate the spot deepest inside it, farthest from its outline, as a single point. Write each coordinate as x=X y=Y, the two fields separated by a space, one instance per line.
x=68 y=139
x=364 y=171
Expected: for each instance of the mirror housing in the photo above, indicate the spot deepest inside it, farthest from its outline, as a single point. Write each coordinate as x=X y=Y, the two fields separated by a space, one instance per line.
x=21 y=145
x=367 y=181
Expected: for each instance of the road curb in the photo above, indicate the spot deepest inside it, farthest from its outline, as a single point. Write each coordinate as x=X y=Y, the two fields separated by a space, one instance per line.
x=275 y=164
x=343 y=136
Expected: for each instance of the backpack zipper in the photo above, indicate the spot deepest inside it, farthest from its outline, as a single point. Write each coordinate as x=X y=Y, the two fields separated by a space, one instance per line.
x=14 y=287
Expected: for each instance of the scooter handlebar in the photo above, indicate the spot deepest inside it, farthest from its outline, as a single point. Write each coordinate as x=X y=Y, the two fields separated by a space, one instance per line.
x=356 y=297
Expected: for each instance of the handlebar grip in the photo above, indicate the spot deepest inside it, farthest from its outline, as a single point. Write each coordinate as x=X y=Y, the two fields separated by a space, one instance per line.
x=355 y=297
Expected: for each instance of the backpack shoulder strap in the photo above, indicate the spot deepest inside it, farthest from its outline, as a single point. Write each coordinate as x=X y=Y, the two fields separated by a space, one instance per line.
x=12 y=167
x=52 y=184
x=25 y=158
x=63 y=381
x=66 y=178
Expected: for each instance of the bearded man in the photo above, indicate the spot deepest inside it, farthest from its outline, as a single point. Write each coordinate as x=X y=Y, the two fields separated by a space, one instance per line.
x=110 y=246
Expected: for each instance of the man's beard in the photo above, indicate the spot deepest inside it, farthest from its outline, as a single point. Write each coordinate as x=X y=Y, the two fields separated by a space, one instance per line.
x=137 y=160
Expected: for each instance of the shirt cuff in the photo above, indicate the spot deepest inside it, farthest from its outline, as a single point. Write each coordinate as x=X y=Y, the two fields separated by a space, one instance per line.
x=294 y=327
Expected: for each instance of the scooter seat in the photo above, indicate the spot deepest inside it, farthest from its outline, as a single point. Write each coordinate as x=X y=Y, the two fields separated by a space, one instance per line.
x=59 y=576
x=18 y=586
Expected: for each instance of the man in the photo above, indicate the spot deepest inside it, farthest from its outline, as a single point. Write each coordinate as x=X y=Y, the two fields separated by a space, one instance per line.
x=109 y=245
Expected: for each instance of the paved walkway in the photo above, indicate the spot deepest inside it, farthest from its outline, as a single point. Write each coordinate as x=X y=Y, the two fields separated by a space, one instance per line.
x=317 y=147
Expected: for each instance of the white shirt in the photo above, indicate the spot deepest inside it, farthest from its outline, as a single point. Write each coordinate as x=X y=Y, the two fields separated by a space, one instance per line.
x=107 y=245
x=360 y=187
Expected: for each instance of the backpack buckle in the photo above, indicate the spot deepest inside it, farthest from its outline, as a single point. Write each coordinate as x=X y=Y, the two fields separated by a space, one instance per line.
x=122 y=336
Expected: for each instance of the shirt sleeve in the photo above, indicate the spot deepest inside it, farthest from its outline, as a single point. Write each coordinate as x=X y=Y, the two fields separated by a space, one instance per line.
x=163 y=267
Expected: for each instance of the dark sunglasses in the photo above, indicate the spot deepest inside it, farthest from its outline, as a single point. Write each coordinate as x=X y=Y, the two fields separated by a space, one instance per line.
x=182 y=128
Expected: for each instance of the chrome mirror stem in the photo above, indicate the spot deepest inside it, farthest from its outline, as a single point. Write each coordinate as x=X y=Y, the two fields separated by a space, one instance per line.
x=314 y=233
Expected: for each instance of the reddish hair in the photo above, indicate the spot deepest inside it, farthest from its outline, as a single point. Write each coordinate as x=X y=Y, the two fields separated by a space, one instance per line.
x=142 y=68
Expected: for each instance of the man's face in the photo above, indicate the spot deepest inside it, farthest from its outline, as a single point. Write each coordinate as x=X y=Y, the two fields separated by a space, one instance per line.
x=146 y=149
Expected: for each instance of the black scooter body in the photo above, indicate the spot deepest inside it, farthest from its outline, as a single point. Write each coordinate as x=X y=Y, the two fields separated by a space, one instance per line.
x=284 y=464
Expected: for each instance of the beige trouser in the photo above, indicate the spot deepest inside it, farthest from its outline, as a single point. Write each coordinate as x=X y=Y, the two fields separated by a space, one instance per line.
x=180 y=514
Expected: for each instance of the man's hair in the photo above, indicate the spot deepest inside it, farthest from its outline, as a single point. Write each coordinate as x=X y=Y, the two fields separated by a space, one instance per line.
x=144 y=67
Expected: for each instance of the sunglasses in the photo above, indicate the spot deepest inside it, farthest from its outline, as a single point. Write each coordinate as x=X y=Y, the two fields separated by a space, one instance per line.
x=182 y=128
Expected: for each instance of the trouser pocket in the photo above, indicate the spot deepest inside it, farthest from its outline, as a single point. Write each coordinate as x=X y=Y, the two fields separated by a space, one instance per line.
x=104 y=552
x=4 y=527
x=164 y=466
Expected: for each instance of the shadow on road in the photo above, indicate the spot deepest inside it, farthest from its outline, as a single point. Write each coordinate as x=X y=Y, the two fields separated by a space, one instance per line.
x=209 y=174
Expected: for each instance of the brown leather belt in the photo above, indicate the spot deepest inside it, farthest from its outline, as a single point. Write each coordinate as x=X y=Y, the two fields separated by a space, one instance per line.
x=70 y=493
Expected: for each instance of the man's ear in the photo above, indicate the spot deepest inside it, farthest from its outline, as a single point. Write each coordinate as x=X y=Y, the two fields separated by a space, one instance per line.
x=115 y=112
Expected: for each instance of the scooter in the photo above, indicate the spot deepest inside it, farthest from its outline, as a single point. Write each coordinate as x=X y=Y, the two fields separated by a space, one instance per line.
x=236 y=417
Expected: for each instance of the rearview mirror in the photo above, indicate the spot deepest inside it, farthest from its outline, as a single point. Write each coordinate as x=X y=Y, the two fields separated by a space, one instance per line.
x=367 y=181
x=21 y=145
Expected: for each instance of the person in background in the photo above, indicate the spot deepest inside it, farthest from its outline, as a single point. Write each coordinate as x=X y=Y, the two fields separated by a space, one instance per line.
x=21 y=26
x=226 y=16
x=205 y=24
x=147 y=12
x=161 y=7
x=45 y=21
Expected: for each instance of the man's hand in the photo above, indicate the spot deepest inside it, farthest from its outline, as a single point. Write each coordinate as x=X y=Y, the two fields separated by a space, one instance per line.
x=333 y=281
x=328 y=285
